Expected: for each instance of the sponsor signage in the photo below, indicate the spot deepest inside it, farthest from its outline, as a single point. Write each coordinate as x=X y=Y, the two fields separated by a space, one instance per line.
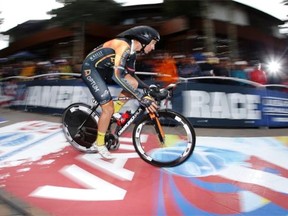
x=204 y=104
x=230 y=105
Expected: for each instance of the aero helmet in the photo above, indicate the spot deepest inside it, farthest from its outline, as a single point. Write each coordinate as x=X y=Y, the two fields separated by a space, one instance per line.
x=143 y=34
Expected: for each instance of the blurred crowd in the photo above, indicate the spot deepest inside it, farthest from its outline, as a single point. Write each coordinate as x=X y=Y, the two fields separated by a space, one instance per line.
x=56 y=69
x=207 y=64
x=168 y=66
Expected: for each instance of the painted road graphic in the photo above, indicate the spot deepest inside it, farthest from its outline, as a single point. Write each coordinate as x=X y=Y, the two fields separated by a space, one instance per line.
x=225 y=176
x=2 y=120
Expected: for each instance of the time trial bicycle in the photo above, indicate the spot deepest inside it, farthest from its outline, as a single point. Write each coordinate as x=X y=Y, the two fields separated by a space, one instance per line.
x=162 y=139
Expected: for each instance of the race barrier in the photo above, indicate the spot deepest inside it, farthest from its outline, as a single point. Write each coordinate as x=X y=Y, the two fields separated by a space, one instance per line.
x=205 y=101
x=230 y=102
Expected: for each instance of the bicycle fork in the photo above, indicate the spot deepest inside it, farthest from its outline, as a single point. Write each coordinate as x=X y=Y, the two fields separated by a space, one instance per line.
x=158 y=127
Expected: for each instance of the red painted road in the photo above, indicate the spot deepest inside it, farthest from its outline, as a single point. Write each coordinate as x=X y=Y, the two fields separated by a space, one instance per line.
x=225 y=176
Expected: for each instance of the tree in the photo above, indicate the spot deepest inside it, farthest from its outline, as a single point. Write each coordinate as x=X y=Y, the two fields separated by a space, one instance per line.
x=232 y=32
x=190 y=8
x=284 y=27
x=101 y=11
x=208 y=27
x=77 y=13
x=2 y=37
x=202 y=8
x=1 y=19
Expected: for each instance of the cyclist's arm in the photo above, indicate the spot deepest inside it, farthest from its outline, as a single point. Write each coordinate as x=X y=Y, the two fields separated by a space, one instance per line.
x=122 y=52
x=130 y=67
x=141 y=84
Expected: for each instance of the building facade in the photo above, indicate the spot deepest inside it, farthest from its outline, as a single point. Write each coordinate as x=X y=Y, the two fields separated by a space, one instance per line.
x=235 y=31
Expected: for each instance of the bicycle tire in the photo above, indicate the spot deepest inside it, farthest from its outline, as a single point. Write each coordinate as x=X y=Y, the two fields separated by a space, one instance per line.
x=180 y=139
x=80 y=136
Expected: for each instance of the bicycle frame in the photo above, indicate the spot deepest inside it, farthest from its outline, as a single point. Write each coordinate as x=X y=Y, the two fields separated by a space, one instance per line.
x=158 y=127
x=81 y=123
x=121 y=129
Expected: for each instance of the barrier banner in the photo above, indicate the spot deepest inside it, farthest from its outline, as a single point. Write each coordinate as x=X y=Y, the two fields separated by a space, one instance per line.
x=275 y=108
x=217 y=105
x=7 y=93
x=50 y=96
x=207 y=104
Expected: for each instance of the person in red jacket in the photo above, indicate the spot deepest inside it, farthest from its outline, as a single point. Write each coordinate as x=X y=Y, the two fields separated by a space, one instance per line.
x=258 y=75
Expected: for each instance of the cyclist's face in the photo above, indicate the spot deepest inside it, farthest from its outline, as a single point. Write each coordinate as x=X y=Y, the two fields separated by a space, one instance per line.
x=150 y=46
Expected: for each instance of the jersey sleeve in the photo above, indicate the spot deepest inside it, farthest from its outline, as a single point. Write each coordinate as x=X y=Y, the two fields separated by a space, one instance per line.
x=130 y=64
x=130 y=68
x=122 y=55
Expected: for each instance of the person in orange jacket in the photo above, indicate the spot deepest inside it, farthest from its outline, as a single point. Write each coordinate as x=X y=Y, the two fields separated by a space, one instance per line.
x=167 y=69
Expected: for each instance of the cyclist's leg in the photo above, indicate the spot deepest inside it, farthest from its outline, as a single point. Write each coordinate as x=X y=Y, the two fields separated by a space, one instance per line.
x=103 y=123
x=120 y=103
x=101 y=93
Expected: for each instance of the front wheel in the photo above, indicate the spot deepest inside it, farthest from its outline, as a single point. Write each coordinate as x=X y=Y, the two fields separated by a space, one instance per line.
x=174 y=148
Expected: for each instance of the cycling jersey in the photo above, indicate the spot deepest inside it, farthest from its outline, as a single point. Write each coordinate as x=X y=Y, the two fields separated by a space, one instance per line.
x=104 y=65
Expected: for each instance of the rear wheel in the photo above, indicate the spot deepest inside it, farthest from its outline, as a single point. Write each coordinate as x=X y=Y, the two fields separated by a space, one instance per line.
x=80 y=126
x=177 y=146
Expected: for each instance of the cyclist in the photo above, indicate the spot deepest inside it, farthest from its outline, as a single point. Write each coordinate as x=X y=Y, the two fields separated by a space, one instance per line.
x=115 y=59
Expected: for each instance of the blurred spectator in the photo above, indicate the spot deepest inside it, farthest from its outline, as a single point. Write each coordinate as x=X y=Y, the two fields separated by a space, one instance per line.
x=285 y=79
x=76 y=68
x=64 y=67
x=53 y=72
x=1 y=73
x=275 y=77
x=145 y=65
x=187 y=67
x=41 y=67
x=29 y=69
x=258 y=75
x=167 y=68
x=47 y=68
x=223 y=68
x=239 y=70
x=12 y=69
x=205 y=62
